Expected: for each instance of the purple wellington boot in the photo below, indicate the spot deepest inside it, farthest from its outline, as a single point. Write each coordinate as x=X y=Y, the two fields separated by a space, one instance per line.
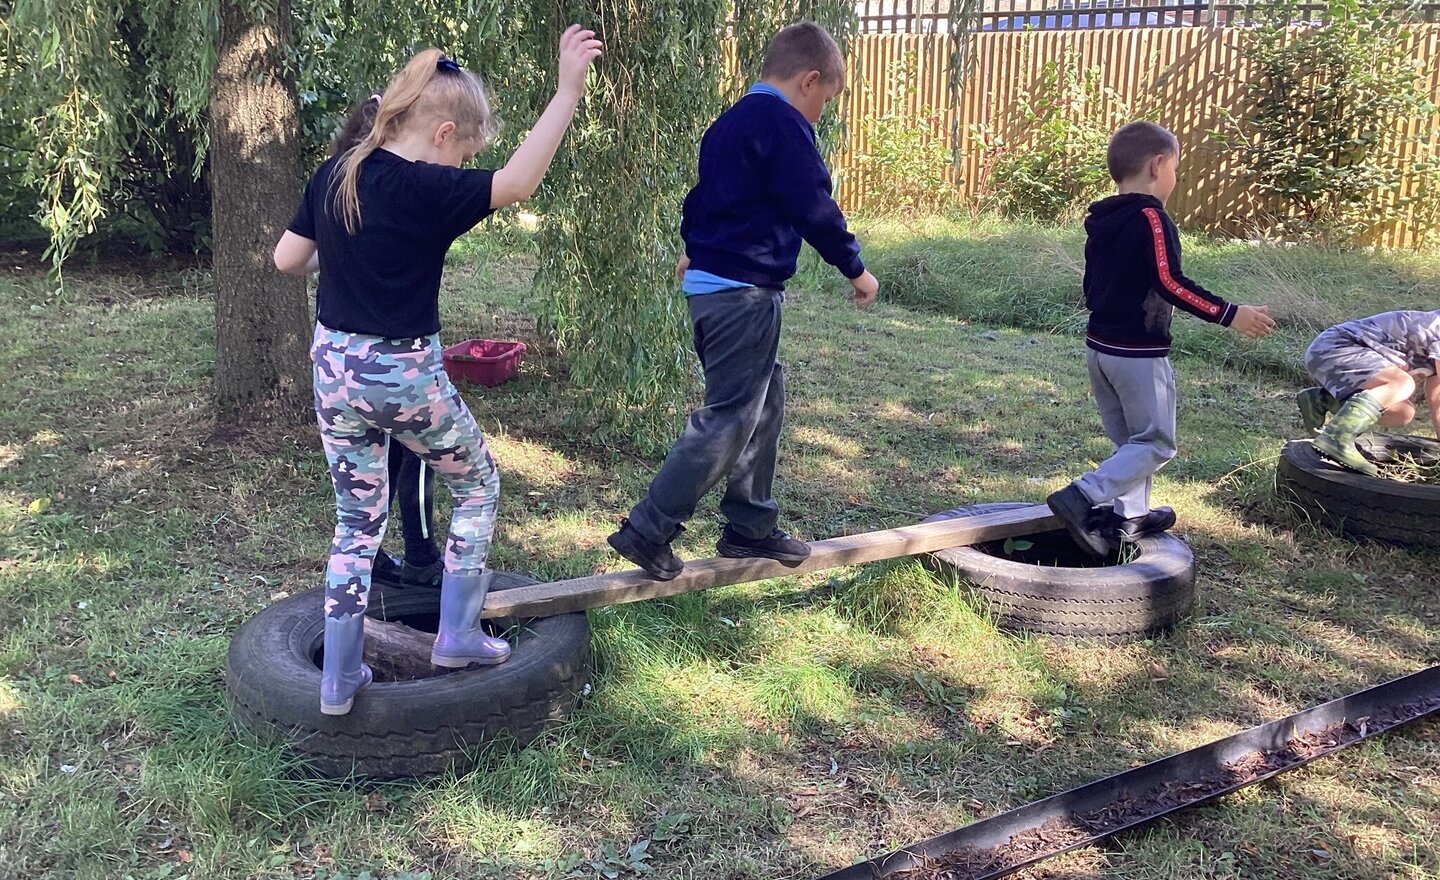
x=461 y=641
x=342 y=673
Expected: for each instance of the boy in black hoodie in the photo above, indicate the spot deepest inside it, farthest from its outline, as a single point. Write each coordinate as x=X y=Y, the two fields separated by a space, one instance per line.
x=1133 y=283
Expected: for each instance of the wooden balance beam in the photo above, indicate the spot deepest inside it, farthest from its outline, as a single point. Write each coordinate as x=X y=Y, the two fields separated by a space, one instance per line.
x=616 y=588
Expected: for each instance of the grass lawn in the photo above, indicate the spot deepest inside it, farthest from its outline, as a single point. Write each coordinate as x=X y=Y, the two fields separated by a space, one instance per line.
x=774 y=730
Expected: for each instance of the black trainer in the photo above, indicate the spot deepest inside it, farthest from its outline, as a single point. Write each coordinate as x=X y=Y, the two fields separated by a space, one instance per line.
x=422 y=575
x=1160 y=519
x=777 y=545
x=1078 y=514
x=385 y=569
x=658 y=560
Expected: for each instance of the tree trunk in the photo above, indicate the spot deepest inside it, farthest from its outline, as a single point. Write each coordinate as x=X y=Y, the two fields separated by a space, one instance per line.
x=396 y=652
x=262 y=318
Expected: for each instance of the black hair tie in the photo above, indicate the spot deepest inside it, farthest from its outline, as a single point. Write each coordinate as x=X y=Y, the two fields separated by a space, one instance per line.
x=448 y=65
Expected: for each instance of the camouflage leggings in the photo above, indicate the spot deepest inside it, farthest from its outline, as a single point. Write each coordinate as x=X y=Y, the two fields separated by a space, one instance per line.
x=369 y=389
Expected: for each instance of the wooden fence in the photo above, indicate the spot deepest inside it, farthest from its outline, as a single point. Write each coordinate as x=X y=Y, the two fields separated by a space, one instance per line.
x=933 y=16
x=1188 y=75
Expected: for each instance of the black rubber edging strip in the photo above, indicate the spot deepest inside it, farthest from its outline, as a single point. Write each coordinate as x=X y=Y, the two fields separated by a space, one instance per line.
x=1271 y=736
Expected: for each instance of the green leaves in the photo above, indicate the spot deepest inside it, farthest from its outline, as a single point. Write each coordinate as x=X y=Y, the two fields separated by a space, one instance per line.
x=110 y=97
x=1016 y=545
x=1325 y=134
x=908 y=158
x=1047 y=160
x=609 y=237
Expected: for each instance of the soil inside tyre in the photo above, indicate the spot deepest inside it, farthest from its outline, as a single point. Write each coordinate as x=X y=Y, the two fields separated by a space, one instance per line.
x=1051 y=549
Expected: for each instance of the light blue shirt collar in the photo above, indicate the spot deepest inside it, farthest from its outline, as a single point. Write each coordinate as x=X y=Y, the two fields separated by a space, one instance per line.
x=767 y=89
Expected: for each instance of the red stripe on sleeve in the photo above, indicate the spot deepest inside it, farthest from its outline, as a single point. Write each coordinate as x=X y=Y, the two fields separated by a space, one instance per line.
x=1162 y=263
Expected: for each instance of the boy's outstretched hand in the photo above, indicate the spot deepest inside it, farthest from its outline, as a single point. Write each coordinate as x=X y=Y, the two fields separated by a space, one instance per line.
x=1253 y=321
x=578 y=48
x=866 y=289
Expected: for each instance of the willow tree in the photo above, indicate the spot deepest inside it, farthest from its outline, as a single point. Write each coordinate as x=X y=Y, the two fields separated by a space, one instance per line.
x=115 y=102
x=610 y=237
x=611 y=205
x=261 y=316
x=111 y=97
x=609 y=241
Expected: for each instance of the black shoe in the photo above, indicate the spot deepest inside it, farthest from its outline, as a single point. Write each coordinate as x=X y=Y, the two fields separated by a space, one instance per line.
x=385 y=570
x=422 y=575
x=1078 y=514
x=1160 y=519
x=658 y=560
x=777 y=545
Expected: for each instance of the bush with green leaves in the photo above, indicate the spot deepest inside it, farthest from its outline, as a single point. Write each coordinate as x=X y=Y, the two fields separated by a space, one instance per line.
x=1046 y=160
x=908 y=160
x=1323 y=135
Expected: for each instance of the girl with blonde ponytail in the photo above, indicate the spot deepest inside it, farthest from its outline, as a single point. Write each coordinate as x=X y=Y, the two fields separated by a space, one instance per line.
x=376 y=222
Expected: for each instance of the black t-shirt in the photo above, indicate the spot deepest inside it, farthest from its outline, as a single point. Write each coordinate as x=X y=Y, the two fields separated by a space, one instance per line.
x=385 y=279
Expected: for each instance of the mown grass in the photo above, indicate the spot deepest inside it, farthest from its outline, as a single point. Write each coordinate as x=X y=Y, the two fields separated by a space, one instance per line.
x=778 y=729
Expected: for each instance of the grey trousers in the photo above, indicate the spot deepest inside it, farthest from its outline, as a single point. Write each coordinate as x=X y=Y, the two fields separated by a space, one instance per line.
x=1136 y=398
x=735 y=435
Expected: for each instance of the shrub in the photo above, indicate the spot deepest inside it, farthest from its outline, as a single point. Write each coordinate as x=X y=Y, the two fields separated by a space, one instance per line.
x=1323 y=135
x=907 y=161
x=1046 y=161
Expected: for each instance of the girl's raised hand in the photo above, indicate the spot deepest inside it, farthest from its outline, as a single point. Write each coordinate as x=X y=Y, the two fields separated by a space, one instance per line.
x=578 y=48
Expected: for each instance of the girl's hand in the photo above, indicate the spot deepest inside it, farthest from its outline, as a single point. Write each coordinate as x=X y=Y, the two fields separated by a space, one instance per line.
x=517 y=181
x=578 y=49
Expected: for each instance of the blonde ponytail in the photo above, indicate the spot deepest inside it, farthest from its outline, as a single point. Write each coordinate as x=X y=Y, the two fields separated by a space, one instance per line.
x=419 y=91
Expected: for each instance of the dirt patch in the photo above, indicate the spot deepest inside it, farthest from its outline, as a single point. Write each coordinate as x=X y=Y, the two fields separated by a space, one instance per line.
x=1059 y=833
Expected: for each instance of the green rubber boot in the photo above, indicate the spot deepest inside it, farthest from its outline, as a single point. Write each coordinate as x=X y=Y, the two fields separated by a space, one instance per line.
x=1316 y=405
x=1336 y=441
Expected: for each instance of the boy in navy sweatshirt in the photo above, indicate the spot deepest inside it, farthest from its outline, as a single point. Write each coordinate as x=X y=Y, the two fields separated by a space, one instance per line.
x=1133 y=284
x=762 y=188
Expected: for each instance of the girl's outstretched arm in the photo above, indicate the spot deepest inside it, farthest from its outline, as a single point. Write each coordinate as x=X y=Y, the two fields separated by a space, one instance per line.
x=521 y=176
x=296 y=255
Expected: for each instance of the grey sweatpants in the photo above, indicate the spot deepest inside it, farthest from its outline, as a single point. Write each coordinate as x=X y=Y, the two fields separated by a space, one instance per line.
x=735 y=435
x=1136 y=398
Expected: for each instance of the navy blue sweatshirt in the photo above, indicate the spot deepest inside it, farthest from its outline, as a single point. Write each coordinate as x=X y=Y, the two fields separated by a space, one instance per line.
x=1133 y=281
x=762 y=188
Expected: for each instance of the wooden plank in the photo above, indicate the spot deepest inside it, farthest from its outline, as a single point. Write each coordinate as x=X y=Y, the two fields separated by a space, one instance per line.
x=616 y=588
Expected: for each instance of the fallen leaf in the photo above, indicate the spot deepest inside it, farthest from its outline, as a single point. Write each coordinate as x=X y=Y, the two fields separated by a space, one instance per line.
x=375 y=802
